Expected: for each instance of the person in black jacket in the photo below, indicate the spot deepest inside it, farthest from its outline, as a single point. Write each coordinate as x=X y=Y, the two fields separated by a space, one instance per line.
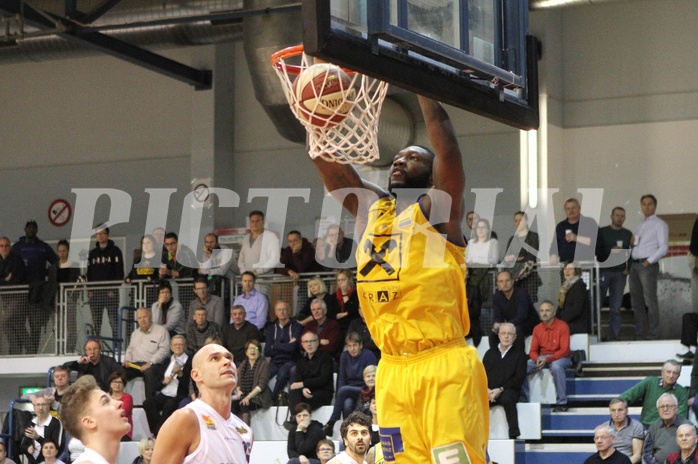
x=302 y=442
x=95 y=364
x=105 y=263
x=574 y=303
x=314 y=375
x=13 y=272
x=505 y=365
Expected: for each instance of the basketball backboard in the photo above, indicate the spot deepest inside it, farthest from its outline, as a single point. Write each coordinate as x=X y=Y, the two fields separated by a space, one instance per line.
x=473 y=54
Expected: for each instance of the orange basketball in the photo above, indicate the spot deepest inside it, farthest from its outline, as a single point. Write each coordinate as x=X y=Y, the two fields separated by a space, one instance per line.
x=324 y=94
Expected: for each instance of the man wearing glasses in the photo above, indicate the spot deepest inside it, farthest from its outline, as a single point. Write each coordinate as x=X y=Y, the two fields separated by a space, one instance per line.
x=44 y=427
x=661 y=434
x=212 y=303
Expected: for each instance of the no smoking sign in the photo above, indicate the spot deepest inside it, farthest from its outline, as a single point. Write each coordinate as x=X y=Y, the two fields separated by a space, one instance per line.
x=59 y=212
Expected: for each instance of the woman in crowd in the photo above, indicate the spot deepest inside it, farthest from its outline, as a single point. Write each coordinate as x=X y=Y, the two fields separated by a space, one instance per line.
x=573 y=301
x=144 y=269
x=482 y=253
x=368 y=392
x=303 y=442
x=168 y=312
x=324 y=450
x=317 y=290
x=253 y=383
x=49 y=449
x=521 y=258
x=145 y=448
x=96 y=419
x=347 y=303
x=117 y=384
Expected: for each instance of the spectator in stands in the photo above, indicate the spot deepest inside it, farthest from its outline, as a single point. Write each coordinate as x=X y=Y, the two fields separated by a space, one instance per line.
x=334 y=250
x=49 y=449
x=159 y=235
x=575 y=237
x=686 y=439
x=483 y=250
x=94 y=363
x=325 y=451
x=512 y=304
x=352 y=363
x=607 y=453
x=661 y=434
x=255 y=303
x=91 y=416
x=212 y=303
x=303 y=441
x=117 y=383
x=614 y=246
x=44 y=427
x=149 y=346
x=281 y=347
x=199 y=330
x=359 y=326
x=68 y=271
x=12 y=268
x=483 y=253
x=356 y=435
x=260 y=250
x=3 y=455
x=522 y=256
x=148 y=267
x=505 y=365
x=252 y=390
x=218 y=263
x=649 y=389
x=629 y=433
x=347 y=303
x=573 y=301
x=175 y=386
x=313 y=378
x=368 y=392
x=177 y=261
x=12 y=272
x=317 y=290
x=471 y=219
x=61 y=382
x=550 y=348
x=238 y=333
x=37 y=254
x=145 y=449
x=326 y=329
x=168 y=312
x=297 y=257
x=104 y=263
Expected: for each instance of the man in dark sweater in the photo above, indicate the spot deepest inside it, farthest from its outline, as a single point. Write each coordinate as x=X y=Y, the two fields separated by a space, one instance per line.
x=236 y=335
x=95 y=364
x=314 y=372
x=104 y=263
x=512 y=304
x=505 y=365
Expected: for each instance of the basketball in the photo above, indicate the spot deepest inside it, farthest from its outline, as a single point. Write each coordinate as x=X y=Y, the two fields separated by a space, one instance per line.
x=324 y=95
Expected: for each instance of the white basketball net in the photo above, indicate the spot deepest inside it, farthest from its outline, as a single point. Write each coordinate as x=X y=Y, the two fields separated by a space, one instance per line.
x=353 y=140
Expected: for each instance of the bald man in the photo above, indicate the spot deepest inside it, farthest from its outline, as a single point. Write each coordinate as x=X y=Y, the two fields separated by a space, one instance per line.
x=216 y=434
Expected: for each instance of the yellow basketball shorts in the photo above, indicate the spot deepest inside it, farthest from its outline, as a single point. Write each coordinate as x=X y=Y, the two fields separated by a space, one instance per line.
x=433 y=406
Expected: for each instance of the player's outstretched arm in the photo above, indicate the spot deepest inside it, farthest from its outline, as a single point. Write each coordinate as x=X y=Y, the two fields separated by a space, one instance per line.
x=178 y=437
x=337 y=176
x=448 y=174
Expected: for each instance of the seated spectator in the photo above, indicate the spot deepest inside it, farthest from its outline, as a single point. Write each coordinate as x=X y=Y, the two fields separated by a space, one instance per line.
x=255 y=303
x=359 y=326
x=253 y=383
x=238 y=333
x=317 y=290
x=304 y=440
x=199 y=330
x=168 y=312
x=149 y=346
x=3 y=454
x=44 y=427
x=49 y=449
x=117 y=383
x=355 y=430
x=686 y=439
x=629 y=433
x=178 y=262
x=334 y=250
x=326 y=329
x=512 y=304
x=522 y=255
x=661 y=434
x=649 y=389
x=607 y=453
x=505 y=365
x=573 y=301
x=61 y=382
x=347 y=303
x=95 y=364
x=145 y=449
x=298 y=257
x=313 y=378
x=368 y=392
x=204 y=299
x=350 y=382
x=175 y=386
x=148 y=267
x=281 y=347
x=325 y=451
x=550 y=348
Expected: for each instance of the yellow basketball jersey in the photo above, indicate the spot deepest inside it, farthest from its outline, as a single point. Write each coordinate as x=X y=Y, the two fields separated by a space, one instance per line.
x=411 y=281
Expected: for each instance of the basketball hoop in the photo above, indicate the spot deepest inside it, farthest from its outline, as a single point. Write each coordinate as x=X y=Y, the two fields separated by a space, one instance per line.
x=355 y=138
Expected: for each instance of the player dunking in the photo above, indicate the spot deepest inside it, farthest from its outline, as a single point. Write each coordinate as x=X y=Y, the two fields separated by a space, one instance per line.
x=431 y=387
x=205 y=431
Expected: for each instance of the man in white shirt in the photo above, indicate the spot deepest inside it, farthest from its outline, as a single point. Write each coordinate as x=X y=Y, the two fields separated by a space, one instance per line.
x=651 y=243
x=356 y=434
x=261 y=250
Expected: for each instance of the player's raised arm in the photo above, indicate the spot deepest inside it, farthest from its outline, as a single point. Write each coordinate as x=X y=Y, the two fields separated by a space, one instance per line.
x=448 y=174
x=338 y=176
